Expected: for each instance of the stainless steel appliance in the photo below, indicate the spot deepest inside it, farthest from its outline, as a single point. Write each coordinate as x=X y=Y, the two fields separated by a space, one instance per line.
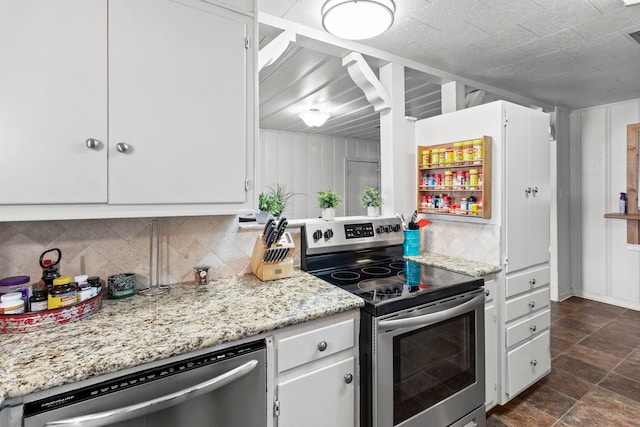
x=222 y=388
x=422 y=331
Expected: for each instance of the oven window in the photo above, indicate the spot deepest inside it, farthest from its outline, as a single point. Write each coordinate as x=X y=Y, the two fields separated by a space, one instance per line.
x=432 y=363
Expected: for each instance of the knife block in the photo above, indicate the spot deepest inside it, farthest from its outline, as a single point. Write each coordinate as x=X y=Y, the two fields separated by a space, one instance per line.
x=265 y=269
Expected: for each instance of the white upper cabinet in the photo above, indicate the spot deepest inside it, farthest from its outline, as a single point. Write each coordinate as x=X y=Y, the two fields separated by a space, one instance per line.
x=163 y=90
x=177 y=99
x=53 y=97
x=527 y=188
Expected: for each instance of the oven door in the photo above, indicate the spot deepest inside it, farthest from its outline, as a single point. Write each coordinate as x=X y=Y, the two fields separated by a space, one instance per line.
x=429 y=363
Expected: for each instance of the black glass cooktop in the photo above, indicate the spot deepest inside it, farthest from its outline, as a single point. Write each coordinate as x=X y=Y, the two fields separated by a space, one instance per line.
x=395 y=284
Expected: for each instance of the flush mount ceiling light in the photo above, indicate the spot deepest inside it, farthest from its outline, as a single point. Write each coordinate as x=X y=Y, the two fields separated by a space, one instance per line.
x=357 y=19
x=314 y=118
x=631 y=2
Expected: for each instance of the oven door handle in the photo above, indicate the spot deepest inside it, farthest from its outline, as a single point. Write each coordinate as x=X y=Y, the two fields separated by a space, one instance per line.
x=157 y=404
x=431 y=318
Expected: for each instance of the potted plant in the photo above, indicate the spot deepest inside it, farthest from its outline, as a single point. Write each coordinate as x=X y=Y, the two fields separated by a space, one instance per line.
x=371 y=200
x=279 y=199
x=328 y=201
x=265 y=204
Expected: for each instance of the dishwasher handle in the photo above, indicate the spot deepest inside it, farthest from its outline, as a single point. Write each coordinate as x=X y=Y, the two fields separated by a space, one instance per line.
x=431 y=318
x=157 y=404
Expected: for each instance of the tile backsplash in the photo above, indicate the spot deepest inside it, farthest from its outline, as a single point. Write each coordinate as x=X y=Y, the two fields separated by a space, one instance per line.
x=102 y=247
x=478 y=242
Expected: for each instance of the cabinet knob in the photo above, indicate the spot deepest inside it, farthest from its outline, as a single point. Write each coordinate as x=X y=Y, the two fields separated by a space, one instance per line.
x=348 y=378
x=535 y=191
x=487 y=292
x=532 y=304
x=122 y=147
x=534 y=363
x=527 y=191
x=533 y=328
x=322 y=345
x=92 y=144
x=532 y=281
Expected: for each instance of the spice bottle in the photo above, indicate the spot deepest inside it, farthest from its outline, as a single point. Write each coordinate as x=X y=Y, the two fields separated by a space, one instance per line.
x=622 y=207
x=38 y=301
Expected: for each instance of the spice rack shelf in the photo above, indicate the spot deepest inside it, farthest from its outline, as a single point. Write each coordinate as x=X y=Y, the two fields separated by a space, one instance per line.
x=447 y=194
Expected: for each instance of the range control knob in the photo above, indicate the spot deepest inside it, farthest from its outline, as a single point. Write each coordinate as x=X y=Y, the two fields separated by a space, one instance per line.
x=379 y=230
x=328 y=234
x=317 y=235
x=397 y=227
x=387 y=229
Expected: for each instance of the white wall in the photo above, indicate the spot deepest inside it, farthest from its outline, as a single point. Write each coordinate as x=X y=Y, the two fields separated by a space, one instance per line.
x=307 y=163
x=608 y=270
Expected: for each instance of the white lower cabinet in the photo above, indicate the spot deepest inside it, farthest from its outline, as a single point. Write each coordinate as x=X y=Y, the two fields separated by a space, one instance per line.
x=316 y=372
x=528 y=363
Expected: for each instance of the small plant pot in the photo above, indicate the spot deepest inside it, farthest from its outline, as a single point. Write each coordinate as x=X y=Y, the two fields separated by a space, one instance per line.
x=328 y=213
x=373 y=211
x=262 y=217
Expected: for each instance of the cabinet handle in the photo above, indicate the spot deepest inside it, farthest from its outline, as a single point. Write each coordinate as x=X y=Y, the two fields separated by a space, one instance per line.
x=532 y=304
x=122 y=147
x=533 y=328
x=92 y=144
x=348 y=378
x=322 y=345
x=527 y=191
x=532 y=281
x=534 y=363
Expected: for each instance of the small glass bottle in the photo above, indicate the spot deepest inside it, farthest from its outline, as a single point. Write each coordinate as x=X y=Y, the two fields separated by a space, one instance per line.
x=622 y=206
x=38 y=301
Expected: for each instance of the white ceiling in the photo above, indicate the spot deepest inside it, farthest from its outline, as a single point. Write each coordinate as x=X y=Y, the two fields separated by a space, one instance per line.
x=569 y=53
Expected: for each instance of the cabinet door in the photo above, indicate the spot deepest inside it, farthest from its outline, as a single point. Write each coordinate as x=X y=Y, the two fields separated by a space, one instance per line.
x=177 y=98
x=53 y=97
x=319 y=398
x=517 y=186
x=540 y=162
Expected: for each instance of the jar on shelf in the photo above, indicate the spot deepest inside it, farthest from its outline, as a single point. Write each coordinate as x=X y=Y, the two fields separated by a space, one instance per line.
x=435 y=157
x=426 y=157
x=425 y=203
x=442 y=157
x=473 y=178
x=458 y=180
x=425 y=180
x=467 y=152
x=477 y=151
x=463 y=206
x=480 y=177
x=438 y=181
x=458 y=153
x=448 y=159
x=448 y=179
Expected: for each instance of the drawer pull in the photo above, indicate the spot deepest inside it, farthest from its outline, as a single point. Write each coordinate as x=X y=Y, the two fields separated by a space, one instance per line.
x=532 y=282
x=322 y=345
x=533 y=328
x=348 y=378
x=532 y=304
x=534 y=363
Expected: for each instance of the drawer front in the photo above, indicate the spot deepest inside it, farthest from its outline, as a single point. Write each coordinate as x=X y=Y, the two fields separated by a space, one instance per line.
x=316 y=344
x=527 y=304
x=528 y=328
x=489 y=290
x=527 y=281
x=528 y=363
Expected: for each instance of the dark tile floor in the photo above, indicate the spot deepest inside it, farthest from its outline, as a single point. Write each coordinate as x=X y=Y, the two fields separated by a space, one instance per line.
x=595 y=371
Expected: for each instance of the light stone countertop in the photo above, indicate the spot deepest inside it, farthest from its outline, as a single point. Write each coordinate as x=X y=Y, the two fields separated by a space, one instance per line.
x=130 y=332
x=459 y=265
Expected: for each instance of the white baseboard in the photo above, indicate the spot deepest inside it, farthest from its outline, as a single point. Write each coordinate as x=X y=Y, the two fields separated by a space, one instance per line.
x=634 y=305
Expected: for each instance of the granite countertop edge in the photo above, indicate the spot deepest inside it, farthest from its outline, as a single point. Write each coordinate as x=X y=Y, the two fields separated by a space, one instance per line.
x=458 y=265
x=135 y=331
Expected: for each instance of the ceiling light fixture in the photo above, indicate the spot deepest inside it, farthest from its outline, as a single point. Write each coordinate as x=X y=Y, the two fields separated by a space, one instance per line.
x=357 y=19
x=314 y=118
x=631 y=2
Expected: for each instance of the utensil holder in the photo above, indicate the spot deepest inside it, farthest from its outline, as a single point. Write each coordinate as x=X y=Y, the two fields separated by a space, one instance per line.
x=411 y=245
x=275 y=262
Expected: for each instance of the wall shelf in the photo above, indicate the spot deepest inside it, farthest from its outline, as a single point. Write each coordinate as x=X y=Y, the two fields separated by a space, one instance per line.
x=632 y=217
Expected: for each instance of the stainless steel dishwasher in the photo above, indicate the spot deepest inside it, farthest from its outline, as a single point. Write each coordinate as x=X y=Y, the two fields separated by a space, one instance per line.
x=226 y=388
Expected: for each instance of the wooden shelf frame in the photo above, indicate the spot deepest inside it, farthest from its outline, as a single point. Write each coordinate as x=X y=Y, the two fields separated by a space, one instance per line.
x=484 y=190
x=632 y=216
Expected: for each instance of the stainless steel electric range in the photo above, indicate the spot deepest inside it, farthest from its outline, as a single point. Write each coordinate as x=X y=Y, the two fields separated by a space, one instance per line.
x=422 y=327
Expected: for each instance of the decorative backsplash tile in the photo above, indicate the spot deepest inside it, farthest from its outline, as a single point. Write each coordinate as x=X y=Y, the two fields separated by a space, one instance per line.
x=478 y=242
x=102 y=247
